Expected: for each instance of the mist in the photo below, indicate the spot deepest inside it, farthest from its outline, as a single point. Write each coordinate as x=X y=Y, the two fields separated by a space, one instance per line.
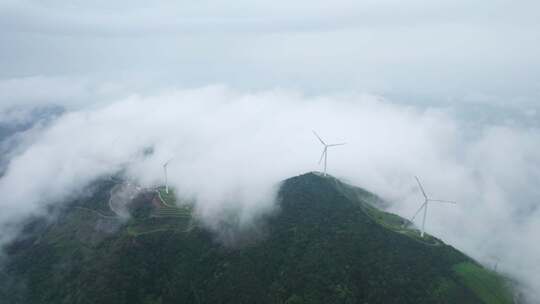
x=229 y=149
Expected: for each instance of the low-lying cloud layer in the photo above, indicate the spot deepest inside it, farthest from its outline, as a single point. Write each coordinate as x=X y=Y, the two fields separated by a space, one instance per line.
x=230 y=148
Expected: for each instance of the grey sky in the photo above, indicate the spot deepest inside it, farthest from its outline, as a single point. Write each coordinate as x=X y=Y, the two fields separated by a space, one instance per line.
x=421 y=51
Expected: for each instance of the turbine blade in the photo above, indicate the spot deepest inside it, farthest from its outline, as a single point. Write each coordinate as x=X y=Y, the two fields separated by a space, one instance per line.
x=441 y=201
x=420 y=209
x=421 y=188
x=322 y=155
x=340 y=144
x=322 y=142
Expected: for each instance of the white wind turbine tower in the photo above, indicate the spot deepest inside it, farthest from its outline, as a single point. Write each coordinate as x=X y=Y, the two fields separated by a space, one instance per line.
x=165 y=165
x=495 y=261
x=424 y=206
x=325 y=150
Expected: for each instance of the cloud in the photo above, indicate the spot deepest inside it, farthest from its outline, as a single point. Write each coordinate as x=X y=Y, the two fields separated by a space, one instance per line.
x=230 y=148
x=22 y=95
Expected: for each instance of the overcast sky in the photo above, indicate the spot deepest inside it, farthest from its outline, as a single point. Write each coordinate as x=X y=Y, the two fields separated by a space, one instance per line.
x=419 y=51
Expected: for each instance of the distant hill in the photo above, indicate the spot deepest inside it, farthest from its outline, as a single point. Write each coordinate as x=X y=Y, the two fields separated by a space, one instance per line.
x=14 y=122
x=329 y=243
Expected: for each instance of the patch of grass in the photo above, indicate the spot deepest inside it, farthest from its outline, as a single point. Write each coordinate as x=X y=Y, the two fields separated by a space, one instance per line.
x=487 y=285
x=182 y=212
x=158 y=224
x=137 y=231
x=166 y=216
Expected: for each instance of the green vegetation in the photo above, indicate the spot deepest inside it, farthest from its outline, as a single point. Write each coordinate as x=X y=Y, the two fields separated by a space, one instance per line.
x=179 y=212
x=169 y=199
x=97 y=197
x=151 y=214
x=328 y=244
x=371 y=204
x=486 y=284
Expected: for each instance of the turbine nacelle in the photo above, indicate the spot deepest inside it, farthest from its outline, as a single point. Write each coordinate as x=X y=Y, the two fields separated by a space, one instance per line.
x=166 y=164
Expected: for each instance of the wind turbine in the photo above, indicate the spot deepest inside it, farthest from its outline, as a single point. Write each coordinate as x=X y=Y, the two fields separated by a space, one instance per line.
x=424 y=206
x=165 y=165
x=495 y=261
x=325 y=150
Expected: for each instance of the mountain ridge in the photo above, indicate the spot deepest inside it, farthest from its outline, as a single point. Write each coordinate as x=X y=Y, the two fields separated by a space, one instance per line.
x=327 y=244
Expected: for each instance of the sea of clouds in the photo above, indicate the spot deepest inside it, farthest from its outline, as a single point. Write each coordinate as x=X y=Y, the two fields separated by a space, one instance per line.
x=230 y=148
